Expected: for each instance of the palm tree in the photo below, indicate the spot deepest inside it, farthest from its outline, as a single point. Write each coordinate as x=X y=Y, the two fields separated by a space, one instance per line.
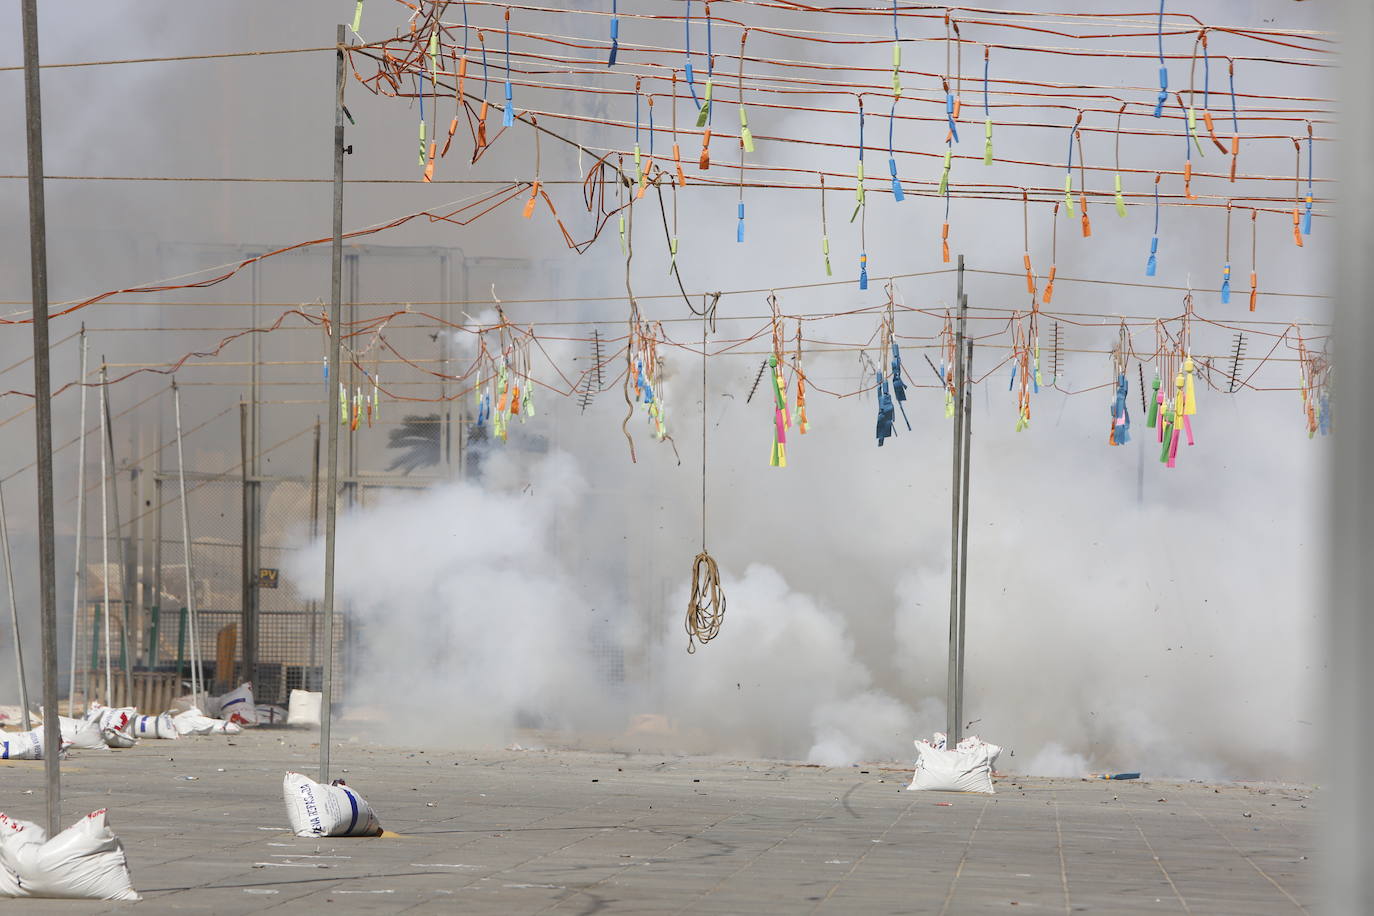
x=418 y=440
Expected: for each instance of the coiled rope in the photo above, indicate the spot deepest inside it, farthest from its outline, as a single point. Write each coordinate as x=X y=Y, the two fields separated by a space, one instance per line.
x=706 y=607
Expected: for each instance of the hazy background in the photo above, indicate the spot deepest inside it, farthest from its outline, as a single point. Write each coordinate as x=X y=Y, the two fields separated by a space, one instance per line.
x=1120 y=616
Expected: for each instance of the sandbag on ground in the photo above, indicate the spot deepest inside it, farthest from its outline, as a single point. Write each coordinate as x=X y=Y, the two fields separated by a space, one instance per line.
x=85 y=861
x=115 y=724
x=303 y=708
x=160 y=726
x=191 y=722
x=82 y=734
x=334 y=810
x=271 y=714
x=25 y=745
x=967 y=768
x=236 y=706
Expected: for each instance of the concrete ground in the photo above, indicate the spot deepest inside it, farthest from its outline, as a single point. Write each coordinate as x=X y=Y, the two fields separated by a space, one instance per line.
x=577 y=832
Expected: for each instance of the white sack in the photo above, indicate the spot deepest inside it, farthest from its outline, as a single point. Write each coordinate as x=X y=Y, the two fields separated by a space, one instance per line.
x=81 y=733
x=191 y=722
x=303 y=708
x=24 y=745
x=85 y=861
x=115 y=722
x=271 y=714
x=153 y=726
x=334 y=810
x=973 y=741
x=952 y=771
x=235 y=706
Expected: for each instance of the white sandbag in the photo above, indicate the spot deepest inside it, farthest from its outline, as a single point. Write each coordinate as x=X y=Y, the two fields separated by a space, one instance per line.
x=271 y=714
x=85 y=861
x=958 y=770
x=236 y=706
x=153 y=727
x=303 y=708
x=334 y=810
x=115 y=724
x=191 y=722
x=82 y=734
x=25 y=745
x=973 y=741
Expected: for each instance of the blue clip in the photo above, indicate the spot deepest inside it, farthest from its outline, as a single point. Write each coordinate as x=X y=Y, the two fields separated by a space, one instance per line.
x=898 y=384
x=508 y=116
x=739 y=232
x=949 y=116
x=615 y=42
x=1307 y=220
x=1152 y=265
x=885 y=412
x=863 y=270
x=1012 y=383
x=1121 y=432
x=326 y=368
x=692 y=87
x=1163 y=91
x=1226 y=285
x=897 y=192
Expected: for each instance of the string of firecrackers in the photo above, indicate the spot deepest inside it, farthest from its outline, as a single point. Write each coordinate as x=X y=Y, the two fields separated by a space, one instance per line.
x=1172 y=406
x=427 y=48
x=364 y=403
x=889 y=352
x=1315 y=386
x=1120 y=431
x=506 y=382
x=505 y=390
x=782 y=417
x=648 y=382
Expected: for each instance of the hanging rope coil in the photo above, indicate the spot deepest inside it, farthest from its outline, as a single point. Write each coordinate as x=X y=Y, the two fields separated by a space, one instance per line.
x=706 y=608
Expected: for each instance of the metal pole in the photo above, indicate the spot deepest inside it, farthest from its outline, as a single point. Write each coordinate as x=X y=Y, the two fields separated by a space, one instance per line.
x=79 y=579
x=105 y=535
x=331 y=506
x=155 y=644
x=126 y=600
x=249 y=629
x=952 y=701
x=14 y=613
x=197 y=683
x=967 y=408
x=1348 y=841
x=311 y=608
x=42 y=402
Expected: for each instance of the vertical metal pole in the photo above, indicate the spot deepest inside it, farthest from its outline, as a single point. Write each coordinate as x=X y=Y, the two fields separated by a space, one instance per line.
x=331 y=505
x=105 y=536
x=249 y=624
x=42 y=397
x=1348 y=845
x=14 y=613
x=952 y=728
x=79 y=579
x=126 y=599
x=197 y=677
x=133 y=606
x=155 y=648
x=967 y=409
x=311 y=608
